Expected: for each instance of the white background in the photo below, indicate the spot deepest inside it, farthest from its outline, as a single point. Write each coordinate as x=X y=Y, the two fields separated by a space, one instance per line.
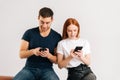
x=100 y=25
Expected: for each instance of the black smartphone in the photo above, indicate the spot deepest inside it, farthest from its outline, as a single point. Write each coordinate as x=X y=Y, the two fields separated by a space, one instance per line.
x=78 y=48
x=42 y=49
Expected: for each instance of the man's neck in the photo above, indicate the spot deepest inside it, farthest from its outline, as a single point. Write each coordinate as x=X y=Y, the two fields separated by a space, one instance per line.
x=45 y=33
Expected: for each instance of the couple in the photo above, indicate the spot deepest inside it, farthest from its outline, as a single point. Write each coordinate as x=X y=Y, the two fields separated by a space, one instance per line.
x=43 y=46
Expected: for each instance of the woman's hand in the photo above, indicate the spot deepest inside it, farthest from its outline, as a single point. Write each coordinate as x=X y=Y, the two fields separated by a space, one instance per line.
x=79 y=54
x=84 y=58
x=73 y=54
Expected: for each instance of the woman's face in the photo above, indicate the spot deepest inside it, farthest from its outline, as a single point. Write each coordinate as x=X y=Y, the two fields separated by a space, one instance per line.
x=72 y=31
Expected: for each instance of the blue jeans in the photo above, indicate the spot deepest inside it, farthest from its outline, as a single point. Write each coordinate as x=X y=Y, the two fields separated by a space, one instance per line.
x=28 y=73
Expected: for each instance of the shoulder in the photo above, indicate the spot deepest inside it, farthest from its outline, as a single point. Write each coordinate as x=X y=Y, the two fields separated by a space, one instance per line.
x=62 y=41
x=55 y=33
x=83 y=40
x=32 y=29
x=29 y=33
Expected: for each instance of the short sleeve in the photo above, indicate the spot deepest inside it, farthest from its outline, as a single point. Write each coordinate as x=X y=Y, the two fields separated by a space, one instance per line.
x=26 y=35
x=86 y=48
x=60 y=48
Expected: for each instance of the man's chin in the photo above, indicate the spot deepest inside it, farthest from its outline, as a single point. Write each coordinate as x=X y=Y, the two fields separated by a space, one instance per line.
x=44 y=30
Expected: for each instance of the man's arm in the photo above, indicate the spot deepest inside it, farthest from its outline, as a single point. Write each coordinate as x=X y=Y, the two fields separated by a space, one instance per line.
x=24 y=52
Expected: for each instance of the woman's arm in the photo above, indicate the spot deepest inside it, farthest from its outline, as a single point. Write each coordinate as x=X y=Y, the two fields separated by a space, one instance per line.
x=63 y=62
x=85 y=59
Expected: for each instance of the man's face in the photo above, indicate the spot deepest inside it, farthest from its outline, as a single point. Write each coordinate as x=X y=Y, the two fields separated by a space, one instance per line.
x=45 y=23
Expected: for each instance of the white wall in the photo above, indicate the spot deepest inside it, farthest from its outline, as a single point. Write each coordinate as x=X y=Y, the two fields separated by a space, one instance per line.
x=99 y=19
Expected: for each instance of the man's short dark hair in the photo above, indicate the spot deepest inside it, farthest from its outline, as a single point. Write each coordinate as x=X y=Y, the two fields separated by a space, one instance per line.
x=45 y=12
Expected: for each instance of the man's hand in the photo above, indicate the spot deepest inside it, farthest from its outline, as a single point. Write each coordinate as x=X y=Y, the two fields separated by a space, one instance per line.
x=45 y=53
x=36 y=51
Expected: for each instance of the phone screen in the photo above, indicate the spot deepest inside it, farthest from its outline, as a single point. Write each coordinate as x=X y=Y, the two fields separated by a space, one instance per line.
x=78 y=48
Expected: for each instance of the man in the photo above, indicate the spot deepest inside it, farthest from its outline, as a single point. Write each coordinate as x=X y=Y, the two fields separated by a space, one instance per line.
x=38 y=46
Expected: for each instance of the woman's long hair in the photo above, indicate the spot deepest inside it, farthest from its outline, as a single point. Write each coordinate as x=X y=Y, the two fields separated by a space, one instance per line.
x=68 y=22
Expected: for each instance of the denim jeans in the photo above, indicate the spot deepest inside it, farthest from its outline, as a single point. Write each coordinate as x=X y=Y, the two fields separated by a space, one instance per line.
x=28 y=73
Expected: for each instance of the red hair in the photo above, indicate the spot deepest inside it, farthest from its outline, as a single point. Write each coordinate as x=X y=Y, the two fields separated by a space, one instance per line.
x=68 y=22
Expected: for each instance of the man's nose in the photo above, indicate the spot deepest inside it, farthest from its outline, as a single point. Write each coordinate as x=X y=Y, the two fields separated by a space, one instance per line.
x=44 y=25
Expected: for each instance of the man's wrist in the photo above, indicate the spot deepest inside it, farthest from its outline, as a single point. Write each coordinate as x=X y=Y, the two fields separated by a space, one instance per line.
x=49 y=56
x=31 y=51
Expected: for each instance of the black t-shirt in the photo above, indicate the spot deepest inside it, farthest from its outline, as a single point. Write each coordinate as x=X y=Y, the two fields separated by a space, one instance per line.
x=36 y=40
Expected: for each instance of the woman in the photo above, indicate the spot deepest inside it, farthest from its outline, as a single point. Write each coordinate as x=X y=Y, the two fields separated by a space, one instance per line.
x=76 y=62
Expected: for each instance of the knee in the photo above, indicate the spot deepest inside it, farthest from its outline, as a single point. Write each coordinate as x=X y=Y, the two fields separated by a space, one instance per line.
x=90 y=76
x=93 y=77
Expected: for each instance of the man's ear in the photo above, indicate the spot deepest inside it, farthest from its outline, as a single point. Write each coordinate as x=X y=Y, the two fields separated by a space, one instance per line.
x=52 y=19
x=38 y=17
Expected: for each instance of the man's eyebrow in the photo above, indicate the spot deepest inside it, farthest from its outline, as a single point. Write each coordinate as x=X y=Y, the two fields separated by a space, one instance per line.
x=45 y=22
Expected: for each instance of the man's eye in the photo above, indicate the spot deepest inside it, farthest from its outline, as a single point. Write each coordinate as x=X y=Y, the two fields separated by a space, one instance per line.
x=47 y=22
x=42 y=22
